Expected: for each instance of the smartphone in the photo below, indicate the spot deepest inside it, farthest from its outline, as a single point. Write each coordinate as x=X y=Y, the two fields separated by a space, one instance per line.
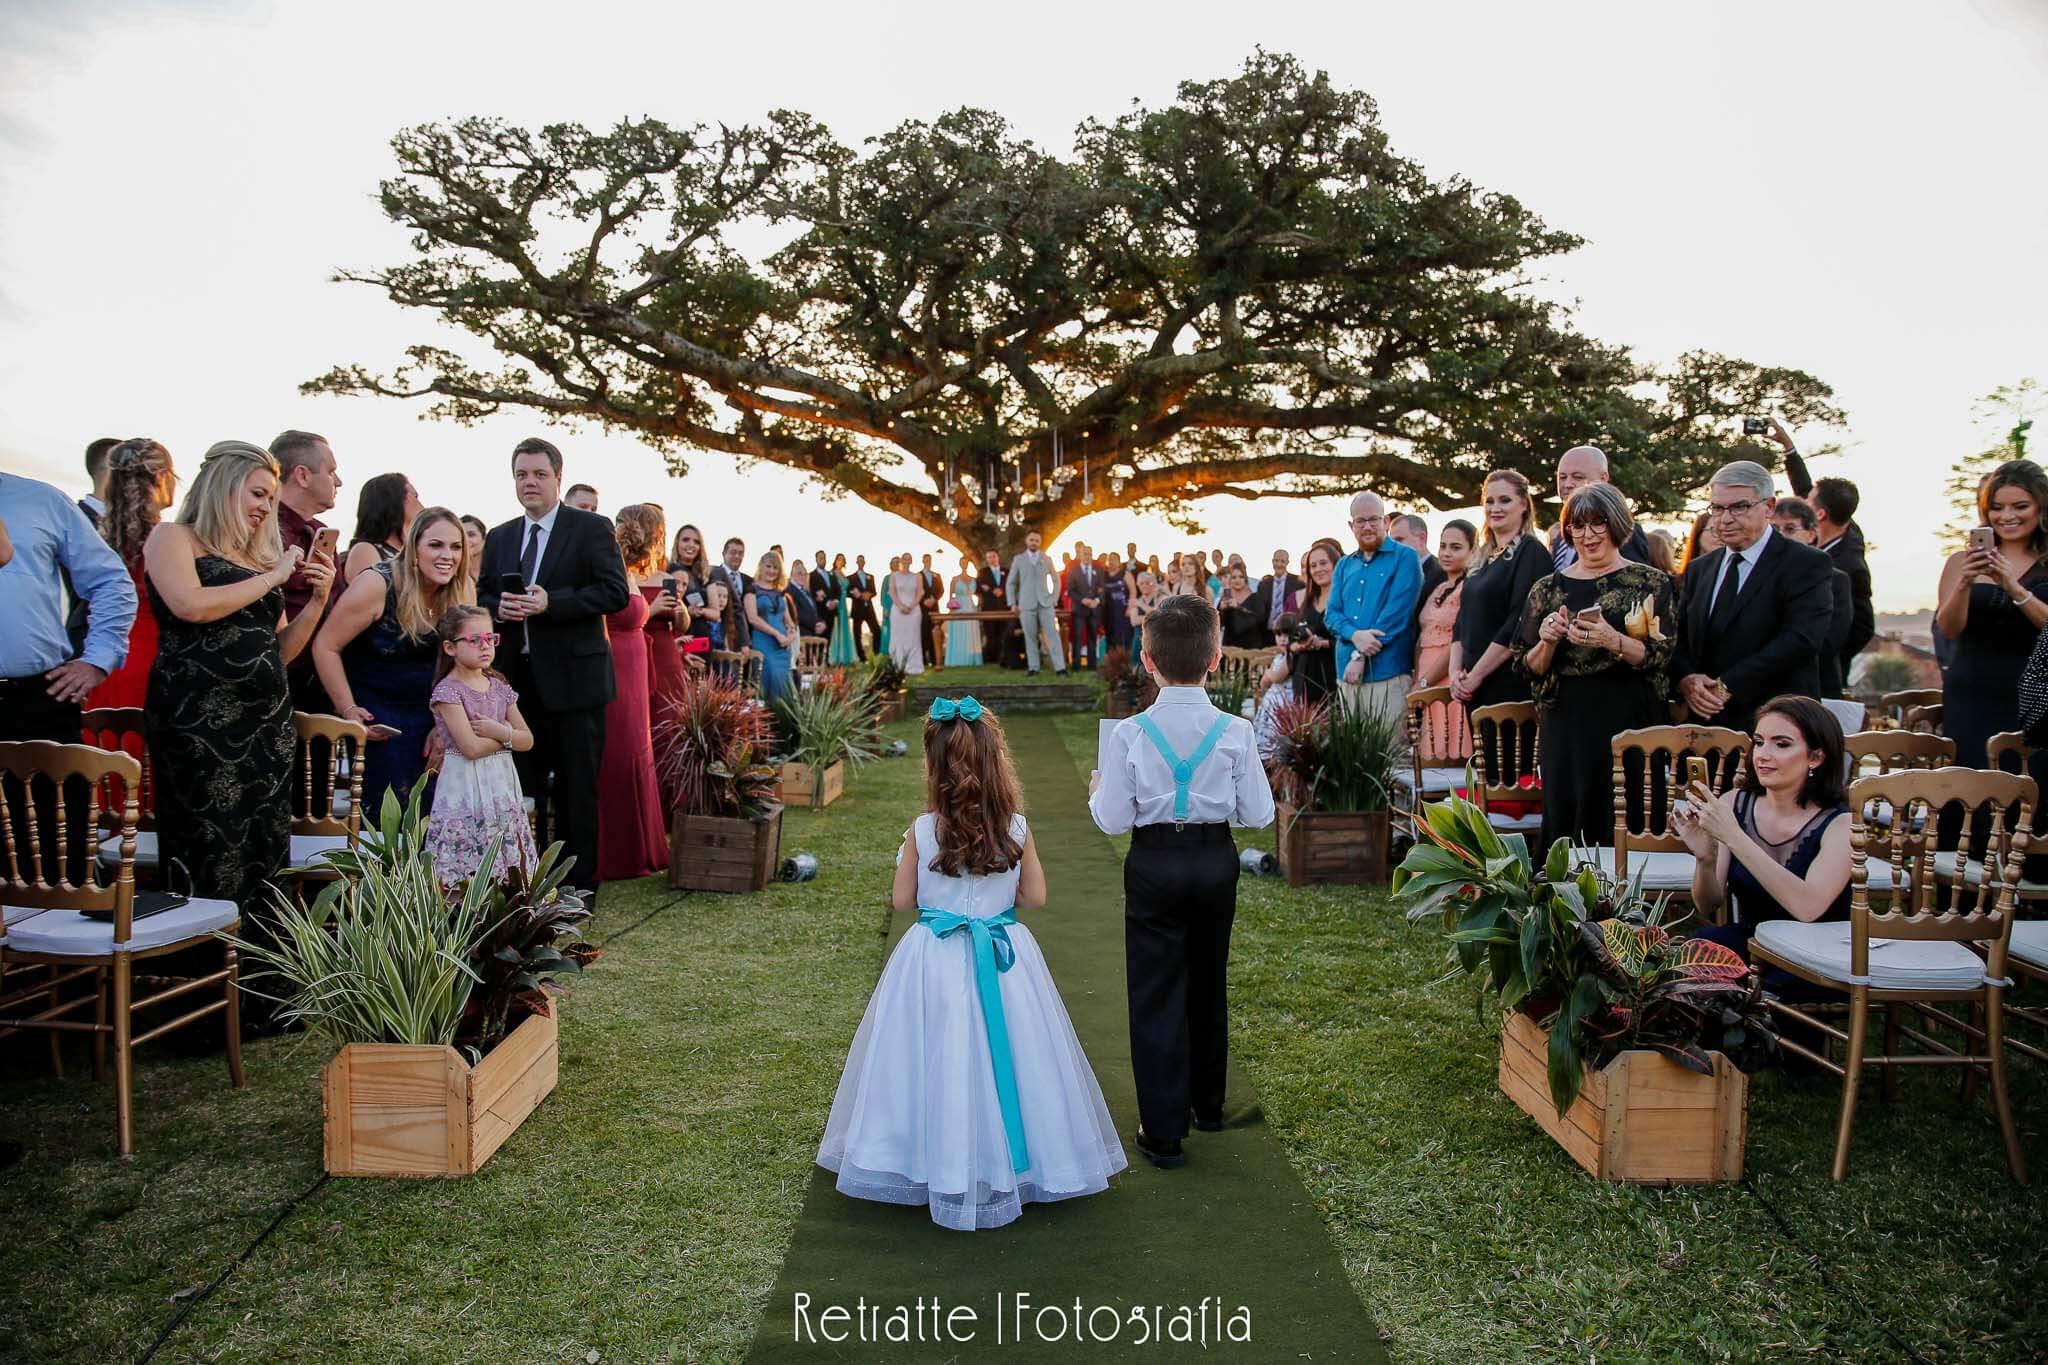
x=668 y=585
x=381 y=731
x=1590 y=616
x=1756 y=426
x=1982 y=538
x=324 y=541
x=512 y=583
x=1696 y=772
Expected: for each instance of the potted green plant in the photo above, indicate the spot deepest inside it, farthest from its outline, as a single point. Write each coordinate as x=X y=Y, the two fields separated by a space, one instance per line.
x=1627 y=1044
x=726 y=830
x=1127 y=688
x=884 y=682
x=821 y=731
x=1332 y=767
x=439 y=999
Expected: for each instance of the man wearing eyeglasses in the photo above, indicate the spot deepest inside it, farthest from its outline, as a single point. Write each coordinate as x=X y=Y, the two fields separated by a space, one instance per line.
x=1754 y=614
x=1371 y=614
x=1576 y=468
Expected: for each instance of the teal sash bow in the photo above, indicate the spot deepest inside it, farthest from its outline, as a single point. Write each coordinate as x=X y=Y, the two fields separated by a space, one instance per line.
x=993 y=955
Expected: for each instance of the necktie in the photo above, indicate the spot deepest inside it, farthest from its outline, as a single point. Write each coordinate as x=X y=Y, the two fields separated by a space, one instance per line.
x=529 y=566
x=1563 y=556
x=1724 y=600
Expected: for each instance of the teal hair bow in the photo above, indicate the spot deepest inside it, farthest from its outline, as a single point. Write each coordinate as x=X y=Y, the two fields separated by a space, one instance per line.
x=967 y=709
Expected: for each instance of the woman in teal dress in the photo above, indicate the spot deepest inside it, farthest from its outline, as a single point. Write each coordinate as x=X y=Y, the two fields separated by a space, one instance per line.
x=841 y=650
x=772 y=626
x=883 y=647
x=963 y=638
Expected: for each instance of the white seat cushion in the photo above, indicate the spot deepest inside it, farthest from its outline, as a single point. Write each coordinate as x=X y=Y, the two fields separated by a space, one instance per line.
x=308 y=849
x=1660 y=871
x=14 y=914
x=1945 y=871
x=2030 y=942
x=145 y=849
x=1515 y=824
x=1896 y=964
x=1435 y=781
x=67 y=933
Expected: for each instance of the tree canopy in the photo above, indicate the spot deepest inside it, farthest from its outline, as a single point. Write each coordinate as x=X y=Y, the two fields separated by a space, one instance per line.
x=1245 y=292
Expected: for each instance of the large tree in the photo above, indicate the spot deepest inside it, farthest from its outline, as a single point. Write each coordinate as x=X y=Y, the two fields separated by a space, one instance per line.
x=1244 y=292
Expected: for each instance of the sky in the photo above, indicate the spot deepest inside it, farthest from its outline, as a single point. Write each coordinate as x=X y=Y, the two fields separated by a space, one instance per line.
x=1842 y=187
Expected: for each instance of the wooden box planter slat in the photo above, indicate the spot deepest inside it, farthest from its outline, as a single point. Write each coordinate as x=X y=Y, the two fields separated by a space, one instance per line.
x=803 y=785
x=1341 y=848
x=713 y=853
x=402 y=1110
x=891 y=708
x=1642 y=1118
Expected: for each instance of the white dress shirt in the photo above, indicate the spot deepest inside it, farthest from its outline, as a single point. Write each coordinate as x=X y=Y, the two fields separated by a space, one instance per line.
x=1742 y=570
x=1137 y=787
x=547 y=530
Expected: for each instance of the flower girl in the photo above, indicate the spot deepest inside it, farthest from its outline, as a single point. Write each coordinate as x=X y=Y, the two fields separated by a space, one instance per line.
x=966 y=1089
x=476 y=713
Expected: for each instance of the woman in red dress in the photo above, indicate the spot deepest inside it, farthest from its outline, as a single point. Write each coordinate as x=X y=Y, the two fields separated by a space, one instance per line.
x=642 y=533
x=140 y=484
x=632 y=837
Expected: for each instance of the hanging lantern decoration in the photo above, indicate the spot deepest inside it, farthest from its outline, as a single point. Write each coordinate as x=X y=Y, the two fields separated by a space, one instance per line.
x=1087 y=493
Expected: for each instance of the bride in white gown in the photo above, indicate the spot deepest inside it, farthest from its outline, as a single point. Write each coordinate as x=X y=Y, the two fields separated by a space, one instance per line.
x=966 y=1090
x=906 y=622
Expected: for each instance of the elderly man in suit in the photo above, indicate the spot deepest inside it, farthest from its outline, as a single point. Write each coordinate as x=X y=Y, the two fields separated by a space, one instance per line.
x=1274 y=590
x=555 y=652
x=1035 y=590
x=1754 y=615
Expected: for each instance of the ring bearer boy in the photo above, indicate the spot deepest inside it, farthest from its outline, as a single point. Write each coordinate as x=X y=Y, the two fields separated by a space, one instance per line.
x=1177 y=777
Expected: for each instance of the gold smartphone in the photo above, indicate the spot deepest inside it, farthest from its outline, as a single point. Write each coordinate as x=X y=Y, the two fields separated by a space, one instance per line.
x=1696 y=773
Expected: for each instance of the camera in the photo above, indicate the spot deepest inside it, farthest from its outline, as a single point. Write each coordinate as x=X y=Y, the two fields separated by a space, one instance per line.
x=1292 y=629
x=1756 y=426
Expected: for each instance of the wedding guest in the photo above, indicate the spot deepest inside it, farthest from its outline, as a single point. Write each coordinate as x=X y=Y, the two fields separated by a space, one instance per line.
x=582 y=497
x=1577 y=467
x=737 y=580
x=377 y=652
x=842 y=649
x=1034 y=591
x=687 y=558
x=1438 y=617
x=818 y=584
x=1311 y=651
x=860 y=591
x=1243 y=626
x=1753 y=614
x=1777 y=847
x=809 y=622
x=141 y=483
x=311 y=482
x=896 y=564
x=1086 y=593
x=1991 y=607
x=1276 y=589
x=1663 y=552
x=1510 y=560
x=473 y=533
x=94 y=503
x=906 y=617
x=963 y=639
x=1116 y=602
x=1793 y=519
x=641 y=532
x=772 y=621
x=990 y=596
x=555 y=648
x=1371 y=613
x=43 y=677
x=1595 y=640
x=1143 y=602
x=632 y=836
x=1211 y=579
x=385 y=509
x=218 y=719
x=1839 y=537
x=477 y=798
x=1701 y=541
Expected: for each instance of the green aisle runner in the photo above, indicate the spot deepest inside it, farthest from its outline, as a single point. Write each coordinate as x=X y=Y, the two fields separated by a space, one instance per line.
x=1163 y=1260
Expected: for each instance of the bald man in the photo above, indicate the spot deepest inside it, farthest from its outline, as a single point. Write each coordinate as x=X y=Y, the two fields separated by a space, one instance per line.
x=1578 y=467
x=1371 y=614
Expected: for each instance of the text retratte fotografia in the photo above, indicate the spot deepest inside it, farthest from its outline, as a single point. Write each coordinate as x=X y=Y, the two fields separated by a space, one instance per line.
x=1022 y=1317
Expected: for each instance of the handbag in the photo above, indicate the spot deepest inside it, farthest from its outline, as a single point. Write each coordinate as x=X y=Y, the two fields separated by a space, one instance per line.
x=2034 y=694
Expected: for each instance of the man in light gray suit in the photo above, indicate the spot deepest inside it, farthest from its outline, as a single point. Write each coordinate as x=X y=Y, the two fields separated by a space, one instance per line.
x=1035 y=590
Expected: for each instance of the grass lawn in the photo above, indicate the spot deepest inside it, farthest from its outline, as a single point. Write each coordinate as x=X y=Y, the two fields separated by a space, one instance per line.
x=1471 y=1236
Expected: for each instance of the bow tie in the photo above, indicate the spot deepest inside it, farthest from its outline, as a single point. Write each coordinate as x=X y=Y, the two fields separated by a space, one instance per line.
x=967 y=709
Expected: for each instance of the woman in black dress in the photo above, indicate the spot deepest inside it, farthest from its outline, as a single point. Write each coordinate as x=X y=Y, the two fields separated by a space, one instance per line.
x=1509 y=561
x=1312 y=660
x=1595 y=642
x=1243 y=626
x=219 y=715
x=1989 y=608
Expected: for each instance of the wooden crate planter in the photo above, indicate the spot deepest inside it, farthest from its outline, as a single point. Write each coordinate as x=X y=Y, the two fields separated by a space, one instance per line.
x=892 y=708
x=804 y=785
x=1334 y=848
x=1642 y=1118
x=713 y=853
x=403 y=1110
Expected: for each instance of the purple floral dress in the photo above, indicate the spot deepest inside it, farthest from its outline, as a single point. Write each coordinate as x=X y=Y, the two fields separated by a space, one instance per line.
x=477 y=799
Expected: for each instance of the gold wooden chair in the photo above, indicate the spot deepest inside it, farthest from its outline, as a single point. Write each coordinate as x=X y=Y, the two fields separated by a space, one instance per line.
x=813 y=652
x=1245 y=668
x=1913 y=955
x=2008 y=752
x=1439 y=740
x=743 y=666
x=118 y=729
x=1873 y=753
x=65 y=912
x=1504 y=751
x=1649 y=774
x=1892 y=707
x=327 y=789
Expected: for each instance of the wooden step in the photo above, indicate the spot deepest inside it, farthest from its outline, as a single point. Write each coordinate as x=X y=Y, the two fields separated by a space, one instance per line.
x=1007 y=697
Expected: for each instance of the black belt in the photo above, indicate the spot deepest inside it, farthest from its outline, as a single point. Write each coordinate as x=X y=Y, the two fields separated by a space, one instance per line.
x=1168 y=836
x=37 y=682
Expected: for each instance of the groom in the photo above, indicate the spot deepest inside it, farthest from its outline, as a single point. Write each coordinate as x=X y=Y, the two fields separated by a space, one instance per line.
x=555 y=652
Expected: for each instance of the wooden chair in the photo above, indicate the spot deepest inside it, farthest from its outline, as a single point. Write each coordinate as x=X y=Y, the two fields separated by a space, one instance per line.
x=1913 y=954
x=50 y=865
x=1504 y=751
x=2027 y=959
x=741 y=665
x=812 y=654
x=1888 y=751
x=1246 y=667
x=1438 y=733
x=119 y=729
x=2006 y=752
x=1648 y=776
x=327 y=788
x=1925 y=720
x=1893 y=706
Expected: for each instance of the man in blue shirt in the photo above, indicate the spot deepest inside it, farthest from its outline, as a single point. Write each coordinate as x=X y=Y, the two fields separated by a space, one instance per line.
x=1372 y=613
x=43 y=680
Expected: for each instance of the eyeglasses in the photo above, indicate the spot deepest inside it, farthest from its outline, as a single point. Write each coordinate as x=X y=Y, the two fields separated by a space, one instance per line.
x=1725 y=510
x=480 y=640
x=1368 y=521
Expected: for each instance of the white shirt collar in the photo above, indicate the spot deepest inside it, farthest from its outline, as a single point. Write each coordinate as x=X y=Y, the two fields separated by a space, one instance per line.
x=1749 y=556
x=546 y=523
x=1185 y=692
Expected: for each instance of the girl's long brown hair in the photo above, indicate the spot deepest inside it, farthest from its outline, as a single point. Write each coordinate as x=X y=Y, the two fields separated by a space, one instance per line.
x=134 y=469
x=972 y=789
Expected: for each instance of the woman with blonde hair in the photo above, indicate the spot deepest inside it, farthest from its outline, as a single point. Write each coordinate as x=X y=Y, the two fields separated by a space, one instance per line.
x=140 y=486
x=642 y=530
x=772 y=624
x=218 y=717
x=377 y=653
x=1509 y=560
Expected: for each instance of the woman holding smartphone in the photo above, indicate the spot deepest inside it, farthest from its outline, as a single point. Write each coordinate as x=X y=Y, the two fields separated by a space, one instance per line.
x=642 y=533
x=1595 y=641
x=1989 y=608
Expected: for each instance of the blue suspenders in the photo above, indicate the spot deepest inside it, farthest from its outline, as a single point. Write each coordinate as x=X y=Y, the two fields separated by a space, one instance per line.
x=1183 y=768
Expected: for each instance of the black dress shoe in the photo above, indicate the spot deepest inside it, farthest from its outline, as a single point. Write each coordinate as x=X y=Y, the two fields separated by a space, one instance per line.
x=1212 y=1125
x=1030 y=672
x=1165 y=1155
x=1059 y=672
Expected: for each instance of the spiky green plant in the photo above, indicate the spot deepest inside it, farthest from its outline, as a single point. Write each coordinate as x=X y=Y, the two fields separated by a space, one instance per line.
x=821 y=729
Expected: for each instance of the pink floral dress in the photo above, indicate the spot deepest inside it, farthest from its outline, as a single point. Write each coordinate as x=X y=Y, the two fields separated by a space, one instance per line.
x=477 y=799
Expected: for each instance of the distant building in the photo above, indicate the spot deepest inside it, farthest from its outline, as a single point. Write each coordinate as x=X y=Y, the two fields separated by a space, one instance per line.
x=1926 y=671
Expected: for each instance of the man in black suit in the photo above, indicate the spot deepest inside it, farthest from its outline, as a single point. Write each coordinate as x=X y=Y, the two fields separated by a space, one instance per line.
x=810 y=610
x=1793 y=519
x=1754 y=614
x=820 y=586
x=94 y=505
x=1413 y=532
x=1274 y=590
x=555 y=652
x=1576 y=468
x=1086 y=592
x=1839 y=537
x=928 y=586
x=989 y=596
x=860 y=591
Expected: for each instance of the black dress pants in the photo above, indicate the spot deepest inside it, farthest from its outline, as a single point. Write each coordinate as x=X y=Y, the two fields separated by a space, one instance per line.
x=1180 y=899
x=560 y=773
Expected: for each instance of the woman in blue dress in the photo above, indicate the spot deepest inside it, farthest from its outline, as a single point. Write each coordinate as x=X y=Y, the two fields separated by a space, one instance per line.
x=772 y=625
x=963 y=638
x=842 y=649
